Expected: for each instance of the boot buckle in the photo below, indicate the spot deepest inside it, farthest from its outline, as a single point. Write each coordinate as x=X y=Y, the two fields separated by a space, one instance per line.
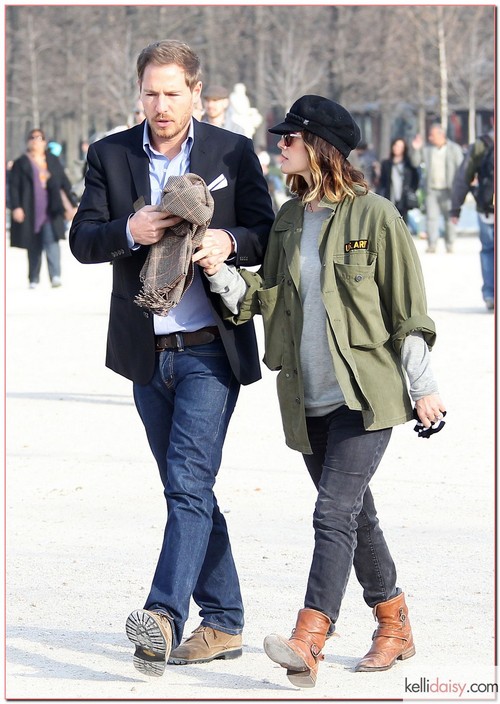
x=315 y=651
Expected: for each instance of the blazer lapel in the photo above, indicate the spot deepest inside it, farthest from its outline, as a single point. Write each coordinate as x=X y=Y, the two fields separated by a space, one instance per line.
x=139 y=165
x=199 y=160
x=140 y=176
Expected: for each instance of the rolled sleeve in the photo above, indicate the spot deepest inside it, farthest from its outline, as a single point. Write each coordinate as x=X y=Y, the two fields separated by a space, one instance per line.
x=402 y=286
x=416 y=323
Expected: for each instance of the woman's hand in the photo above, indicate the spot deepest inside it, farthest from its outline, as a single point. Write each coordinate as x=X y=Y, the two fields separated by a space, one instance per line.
x=430 y=409
x=216 y=246
x=18 y=215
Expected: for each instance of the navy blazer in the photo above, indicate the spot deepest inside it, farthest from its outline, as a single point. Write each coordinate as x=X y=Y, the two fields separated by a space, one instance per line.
x=117 y=175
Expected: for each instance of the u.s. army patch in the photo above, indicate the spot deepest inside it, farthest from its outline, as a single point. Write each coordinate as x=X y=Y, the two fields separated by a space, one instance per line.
x=356 y=244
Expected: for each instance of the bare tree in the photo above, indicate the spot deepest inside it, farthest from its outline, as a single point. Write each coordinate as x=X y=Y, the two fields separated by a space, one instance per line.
x=443 y=66
x=471 y=80
x=71 y=69
x=296 y=67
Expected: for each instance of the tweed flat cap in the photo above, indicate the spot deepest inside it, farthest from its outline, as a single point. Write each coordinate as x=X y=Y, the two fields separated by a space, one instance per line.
x=215 y=92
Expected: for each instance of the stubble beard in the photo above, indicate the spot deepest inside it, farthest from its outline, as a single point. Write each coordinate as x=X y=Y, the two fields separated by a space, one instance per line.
x=173 y=130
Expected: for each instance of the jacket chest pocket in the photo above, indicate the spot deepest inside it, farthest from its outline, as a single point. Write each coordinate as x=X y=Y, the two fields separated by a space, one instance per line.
x=360 y=297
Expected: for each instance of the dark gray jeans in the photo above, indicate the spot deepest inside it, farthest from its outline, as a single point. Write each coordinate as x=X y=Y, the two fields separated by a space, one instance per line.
x=44 y=241
x=346 y=528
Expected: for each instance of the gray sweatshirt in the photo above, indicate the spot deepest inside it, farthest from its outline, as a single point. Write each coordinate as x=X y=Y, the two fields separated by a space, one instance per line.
x=322 y=391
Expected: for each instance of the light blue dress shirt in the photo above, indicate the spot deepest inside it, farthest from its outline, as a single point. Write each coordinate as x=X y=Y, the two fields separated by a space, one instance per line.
x=193 y=311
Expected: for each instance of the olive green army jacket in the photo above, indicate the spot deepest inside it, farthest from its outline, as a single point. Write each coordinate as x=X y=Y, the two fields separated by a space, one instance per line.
x=373 y=291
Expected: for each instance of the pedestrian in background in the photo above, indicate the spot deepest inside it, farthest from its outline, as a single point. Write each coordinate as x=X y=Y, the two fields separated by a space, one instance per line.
x=440 y=160
x=38 y=184
x=365 y=160
x=343 y=302
x=198 y=108
x=137 y=115
x=477 y=174
x=8 y=170
x=215 y=100
x=274 y=182
x=399 y=179
x=185 y=363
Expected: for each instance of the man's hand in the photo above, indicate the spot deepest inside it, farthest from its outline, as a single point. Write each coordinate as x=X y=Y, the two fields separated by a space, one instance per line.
x=216 y=246
x=148 y=224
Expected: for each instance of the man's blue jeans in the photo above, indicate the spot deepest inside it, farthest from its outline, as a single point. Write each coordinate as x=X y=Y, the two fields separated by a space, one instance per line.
x=487 y=258
x=186 y=409
x=346 y=528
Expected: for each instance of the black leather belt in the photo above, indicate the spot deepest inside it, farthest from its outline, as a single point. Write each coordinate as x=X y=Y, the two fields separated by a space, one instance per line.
x=180 y=340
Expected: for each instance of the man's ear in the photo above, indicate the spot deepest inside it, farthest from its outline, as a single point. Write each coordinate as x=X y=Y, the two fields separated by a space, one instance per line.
x=197 y=91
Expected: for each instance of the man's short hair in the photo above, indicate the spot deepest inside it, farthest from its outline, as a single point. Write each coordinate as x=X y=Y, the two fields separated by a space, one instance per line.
x=171 y=51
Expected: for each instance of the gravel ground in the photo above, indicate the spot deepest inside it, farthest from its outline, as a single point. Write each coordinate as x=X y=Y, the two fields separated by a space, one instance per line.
x=85 y=512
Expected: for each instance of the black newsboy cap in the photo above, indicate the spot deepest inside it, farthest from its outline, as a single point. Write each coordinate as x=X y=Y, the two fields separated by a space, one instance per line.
x=324 y=118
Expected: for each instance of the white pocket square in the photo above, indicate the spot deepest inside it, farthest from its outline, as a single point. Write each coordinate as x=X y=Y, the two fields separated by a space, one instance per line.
x=218 y=183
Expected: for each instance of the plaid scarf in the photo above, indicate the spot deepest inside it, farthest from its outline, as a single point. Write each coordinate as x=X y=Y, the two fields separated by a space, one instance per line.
x=168 y=271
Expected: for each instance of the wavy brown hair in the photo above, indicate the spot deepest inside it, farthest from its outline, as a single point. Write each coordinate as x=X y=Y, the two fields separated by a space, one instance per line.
x=332 y=175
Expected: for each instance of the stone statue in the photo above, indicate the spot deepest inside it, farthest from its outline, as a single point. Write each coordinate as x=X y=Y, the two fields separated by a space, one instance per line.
x=242 y=112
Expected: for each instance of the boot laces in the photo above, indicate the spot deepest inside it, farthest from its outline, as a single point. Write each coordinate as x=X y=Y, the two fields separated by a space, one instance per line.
x=203 y=629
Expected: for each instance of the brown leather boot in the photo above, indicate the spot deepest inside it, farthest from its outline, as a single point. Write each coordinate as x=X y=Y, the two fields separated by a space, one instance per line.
x=302 y=652
x=206 y=644
x=151 y=633
x=392 y=639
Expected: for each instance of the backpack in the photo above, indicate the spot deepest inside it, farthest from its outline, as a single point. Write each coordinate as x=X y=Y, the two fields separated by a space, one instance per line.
x=485 y=190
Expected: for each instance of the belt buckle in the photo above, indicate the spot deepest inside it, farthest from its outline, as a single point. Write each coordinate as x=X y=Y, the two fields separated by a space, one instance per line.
x=180 y=341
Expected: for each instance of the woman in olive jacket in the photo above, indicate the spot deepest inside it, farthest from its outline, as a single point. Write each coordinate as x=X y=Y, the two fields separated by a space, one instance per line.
x=343 y=302
x=38 y=213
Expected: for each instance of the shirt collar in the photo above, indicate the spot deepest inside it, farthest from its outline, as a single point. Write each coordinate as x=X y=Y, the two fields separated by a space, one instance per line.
x=186 y=146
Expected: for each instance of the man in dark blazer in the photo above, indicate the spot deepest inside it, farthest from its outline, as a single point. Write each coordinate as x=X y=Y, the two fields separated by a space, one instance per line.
x=186 y=367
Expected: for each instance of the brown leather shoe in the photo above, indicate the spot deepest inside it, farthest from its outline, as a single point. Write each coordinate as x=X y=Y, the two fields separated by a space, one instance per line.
x=392 y=640
x=151 y=633
x=206 y=644
x=301 y=653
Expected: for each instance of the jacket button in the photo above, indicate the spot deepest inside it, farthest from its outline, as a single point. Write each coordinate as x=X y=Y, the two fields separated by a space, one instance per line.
x=358 y=278
x=297 y=400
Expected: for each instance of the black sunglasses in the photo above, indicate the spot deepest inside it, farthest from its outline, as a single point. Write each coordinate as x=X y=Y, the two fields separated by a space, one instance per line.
x=288 y=138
